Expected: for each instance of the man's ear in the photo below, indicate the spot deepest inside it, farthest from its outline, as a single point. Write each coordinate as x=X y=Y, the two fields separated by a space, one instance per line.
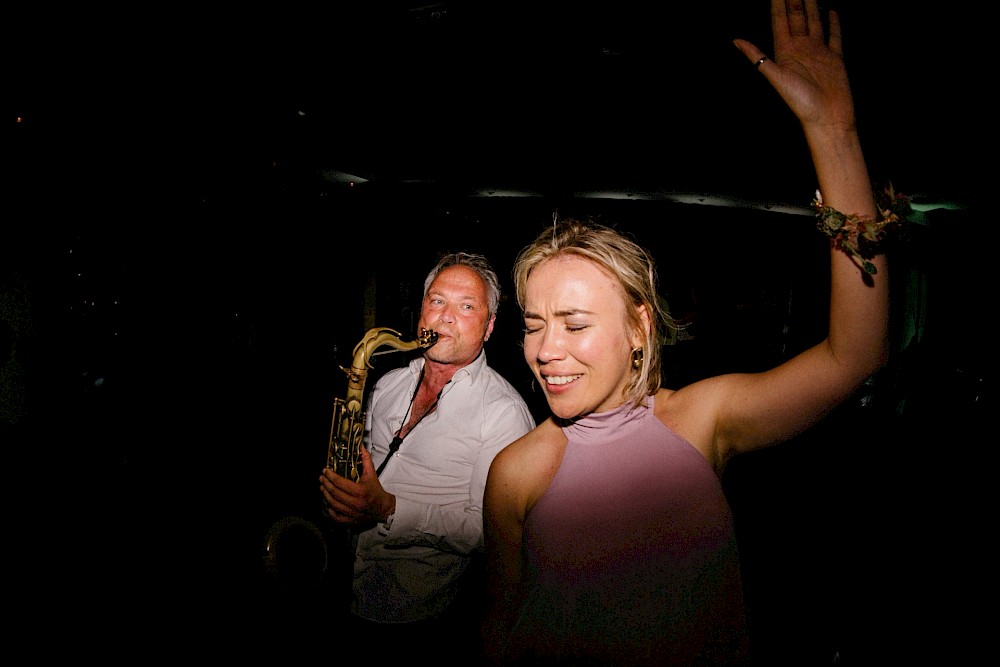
x=489 y=327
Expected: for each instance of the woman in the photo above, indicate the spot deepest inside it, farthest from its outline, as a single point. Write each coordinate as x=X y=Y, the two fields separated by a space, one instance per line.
x=609 y=539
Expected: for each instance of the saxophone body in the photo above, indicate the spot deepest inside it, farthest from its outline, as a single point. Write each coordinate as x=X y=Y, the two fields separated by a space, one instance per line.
x=348 y=426
x=297 y=551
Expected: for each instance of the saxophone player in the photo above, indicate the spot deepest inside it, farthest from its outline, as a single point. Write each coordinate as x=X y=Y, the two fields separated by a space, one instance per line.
x=431 y=431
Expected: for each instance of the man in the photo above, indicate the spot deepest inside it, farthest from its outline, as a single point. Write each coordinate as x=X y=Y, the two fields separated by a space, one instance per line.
x=432 y=429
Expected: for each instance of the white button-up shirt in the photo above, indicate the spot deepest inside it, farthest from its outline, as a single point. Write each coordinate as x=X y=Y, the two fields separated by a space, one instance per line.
x=409 y=570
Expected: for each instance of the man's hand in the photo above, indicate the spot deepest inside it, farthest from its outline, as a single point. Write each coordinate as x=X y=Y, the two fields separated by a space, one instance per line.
x=363 y=503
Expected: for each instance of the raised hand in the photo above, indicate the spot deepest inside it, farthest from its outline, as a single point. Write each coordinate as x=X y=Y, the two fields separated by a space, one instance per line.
x=807 y=69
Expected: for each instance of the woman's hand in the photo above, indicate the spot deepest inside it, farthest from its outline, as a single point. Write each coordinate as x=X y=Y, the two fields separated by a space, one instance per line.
x=807 y=69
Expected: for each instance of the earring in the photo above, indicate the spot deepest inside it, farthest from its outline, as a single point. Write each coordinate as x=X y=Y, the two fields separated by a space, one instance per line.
x=637 y=358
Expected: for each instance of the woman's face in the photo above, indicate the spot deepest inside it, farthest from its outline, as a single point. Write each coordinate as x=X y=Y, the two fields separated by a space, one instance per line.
x=576 y=338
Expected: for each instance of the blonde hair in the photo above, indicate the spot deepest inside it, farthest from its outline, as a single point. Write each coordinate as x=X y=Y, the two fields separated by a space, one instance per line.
x=634 y=272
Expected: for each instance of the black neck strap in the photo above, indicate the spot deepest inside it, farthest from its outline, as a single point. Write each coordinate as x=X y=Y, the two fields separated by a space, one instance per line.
x=397 y=439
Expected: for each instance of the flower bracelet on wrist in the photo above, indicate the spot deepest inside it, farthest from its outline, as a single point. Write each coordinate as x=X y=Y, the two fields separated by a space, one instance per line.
x=859 y=236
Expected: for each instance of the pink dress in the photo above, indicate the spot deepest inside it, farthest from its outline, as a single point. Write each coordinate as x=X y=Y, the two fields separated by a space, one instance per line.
x=631 y=553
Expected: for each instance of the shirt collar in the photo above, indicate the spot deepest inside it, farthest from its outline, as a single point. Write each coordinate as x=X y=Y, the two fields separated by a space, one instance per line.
x=472 y=370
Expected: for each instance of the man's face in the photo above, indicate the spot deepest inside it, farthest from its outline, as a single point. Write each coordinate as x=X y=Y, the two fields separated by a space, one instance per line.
x=457 y=309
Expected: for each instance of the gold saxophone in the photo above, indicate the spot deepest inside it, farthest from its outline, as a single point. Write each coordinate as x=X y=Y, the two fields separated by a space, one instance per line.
x=297 y=551
x=343 y=456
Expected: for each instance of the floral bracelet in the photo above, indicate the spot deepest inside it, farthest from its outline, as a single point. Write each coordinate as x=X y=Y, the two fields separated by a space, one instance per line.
x=859 y=236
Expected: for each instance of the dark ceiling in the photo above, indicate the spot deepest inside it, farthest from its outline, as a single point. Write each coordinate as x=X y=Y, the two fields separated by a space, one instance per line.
x=572 y=95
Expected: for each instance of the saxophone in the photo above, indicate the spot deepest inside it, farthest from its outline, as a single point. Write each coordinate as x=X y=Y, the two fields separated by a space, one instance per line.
x=343 y=455
x=297 y=552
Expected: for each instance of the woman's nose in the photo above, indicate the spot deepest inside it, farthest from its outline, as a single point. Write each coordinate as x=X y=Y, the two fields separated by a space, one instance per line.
x=549 y=350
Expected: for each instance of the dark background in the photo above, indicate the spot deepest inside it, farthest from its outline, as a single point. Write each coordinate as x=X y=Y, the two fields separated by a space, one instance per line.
x=208 y=209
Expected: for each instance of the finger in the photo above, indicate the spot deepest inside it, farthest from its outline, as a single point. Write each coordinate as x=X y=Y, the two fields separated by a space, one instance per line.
x=329 y=479
x=834 y=40
x=798 y=18
x=368 y=468
x=813 y=21
x=327 y=498
x=753 y=54
x=779 y=18
x=336 y=516
x=338 y=511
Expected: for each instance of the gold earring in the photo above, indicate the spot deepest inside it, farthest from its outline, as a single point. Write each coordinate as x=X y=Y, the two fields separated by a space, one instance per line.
x=637 y=358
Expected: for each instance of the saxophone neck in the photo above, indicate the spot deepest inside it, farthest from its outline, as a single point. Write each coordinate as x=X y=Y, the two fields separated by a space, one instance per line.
x=374 y=339
x=381 y=336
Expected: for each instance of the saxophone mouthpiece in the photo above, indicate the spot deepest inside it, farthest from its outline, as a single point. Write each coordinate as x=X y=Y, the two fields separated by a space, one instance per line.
x=427 y=337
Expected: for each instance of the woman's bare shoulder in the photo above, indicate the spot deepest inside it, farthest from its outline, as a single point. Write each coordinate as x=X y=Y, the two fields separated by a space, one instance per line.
x=530 y=462
x=538 y=444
